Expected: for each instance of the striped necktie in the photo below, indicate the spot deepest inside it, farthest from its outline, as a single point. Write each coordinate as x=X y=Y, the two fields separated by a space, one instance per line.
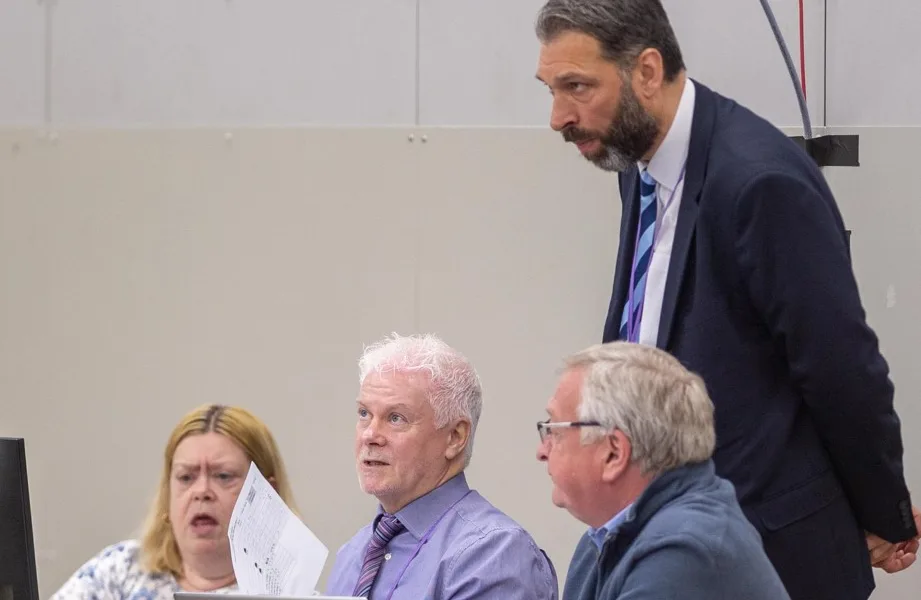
x=387 y=527
x=642 y=257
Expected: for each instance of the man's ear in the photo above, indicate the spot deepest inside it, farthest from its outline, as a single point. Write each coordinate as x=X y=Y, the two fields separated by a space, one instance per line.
x=648 y=73
x=457 y=442
x=618 y=453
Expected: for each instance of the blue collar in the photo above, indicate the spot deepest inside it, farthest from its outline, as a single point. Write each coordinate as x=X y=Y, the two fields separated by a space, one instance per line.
x=421 y=513
x=600 y=535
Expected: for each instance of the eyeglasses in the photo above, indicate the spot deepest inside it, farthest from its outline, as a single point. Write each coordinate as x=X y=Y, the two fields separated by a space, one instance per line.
x=544 y=427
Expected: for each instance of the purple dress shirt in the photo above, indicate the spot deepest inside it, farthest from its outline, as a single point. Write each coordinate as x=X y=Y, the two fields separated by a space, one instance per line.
x=473 y=551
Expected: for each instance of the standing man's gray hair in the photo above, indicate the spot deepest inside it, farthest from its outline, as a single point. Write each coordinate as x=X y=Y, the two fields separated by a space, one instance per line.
x=624 y=28
x=453 y=386
x=662 y=407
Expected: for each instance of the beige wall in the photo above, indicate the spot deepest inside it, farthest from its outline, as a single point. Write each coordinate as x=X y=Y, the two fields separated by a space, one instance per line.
x=145 y=272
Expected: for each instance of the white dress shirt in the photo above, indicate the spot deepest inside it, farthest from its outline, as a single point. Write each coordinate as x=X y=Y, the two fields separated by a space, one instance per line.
x=665 y=167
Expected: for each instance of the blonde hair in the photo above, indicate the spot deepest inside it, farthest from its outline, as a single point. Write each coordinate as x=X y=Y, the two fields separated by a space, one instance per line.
x=159 y=551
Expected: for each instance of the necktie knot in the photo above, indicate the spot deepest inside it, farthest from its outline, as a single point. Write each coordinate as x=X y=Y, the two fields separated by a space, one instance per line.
x=386 y=528
x=647 y=188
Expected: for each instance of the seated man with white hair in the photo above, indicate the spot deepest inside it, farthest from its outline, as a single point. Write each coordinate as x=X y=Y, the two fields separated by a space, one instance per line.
x=433 y=537
x=628 y=447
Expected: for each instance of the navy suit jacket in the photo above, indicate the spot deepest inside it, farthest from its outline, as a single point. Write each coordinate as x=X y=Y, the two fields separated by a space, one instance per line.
x=761 y=301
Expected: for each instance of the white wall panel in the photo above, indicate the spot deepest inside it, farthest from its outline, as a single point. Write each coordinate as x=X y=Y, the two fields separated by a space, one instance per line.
x=873 y=61
x=239 y=62
x=143 y=273
x=478 y=58
x=22 y=62
x=880 y=206
x=728 y=45
x=515 y=269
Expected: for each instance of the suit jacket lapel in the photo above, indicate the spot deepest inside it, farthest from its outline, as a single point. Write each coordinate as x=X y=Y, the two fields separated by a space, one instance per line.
x=701 y=134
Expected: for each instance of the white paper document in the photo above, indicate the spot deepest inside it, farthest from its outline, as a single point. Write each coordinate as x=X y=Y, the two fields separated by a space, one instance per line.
x=273 y=551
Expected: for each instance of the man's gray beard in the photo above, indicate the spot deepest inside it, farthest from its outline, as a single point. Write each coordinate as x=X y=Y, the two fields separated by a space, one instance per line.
x=611 y=160
x=630 y=135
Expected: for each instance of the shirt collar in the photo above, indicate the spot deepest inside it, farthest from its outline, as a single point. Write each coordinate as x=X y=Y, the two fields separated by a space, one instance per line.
x=666 y=164
x=600 y=535
x=420 y=514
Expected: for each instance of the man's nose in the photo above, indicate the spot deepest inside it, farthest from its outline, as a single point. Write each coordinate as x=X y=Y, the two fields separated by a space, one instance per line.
x=542 y=451
x=561 y=115
x=371 y=433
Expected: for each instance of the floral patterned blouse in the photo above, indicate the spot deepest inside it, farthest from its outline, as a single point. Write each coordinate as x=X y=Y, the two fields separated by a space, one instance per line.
x=116 y=574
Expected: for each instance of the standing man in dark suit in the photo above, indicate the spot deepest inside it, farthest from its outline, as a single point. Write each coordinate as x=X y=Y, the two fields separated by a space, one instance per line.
x=733 y=257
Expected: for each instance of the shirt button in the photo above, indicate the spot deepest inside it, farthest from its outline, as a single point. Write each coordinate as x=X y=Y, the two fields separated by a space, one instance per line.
x=387 y=556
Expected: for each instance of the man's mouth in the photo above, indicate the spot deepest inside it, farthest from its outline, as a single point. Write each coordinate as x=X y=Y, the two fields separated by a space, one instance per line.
x=374 y=463
x=583 y=145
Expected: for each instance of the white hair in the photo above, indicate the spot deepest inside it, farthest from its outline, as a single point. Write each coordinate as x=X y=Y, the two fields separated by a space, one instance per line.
x=646 y=393
x=453 y=389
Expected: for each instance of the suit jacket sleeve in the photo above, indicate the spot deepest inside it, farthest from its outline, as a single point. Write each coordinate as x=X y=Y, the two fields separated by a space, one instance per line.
x=793 y=259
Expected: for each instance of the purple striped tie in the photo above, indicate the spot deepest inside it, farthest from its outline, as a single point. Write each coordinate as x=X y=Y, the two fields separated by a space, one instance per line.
x=387 y=527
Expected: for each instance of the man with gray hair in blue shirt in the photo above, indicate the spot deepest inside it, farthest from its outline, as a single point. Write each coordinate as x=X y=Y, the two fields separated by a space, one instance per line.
x=433 y=537
x=628 y=446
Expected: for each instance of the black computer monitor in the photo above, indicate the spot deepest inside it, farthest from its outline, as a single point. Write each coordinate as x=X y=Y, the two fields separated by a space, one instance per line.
x=18 y=577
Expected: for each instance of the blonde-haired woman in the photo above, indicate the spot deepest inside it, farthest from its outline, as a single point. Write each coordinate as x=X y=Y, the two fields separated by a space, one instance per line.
x=185 y=546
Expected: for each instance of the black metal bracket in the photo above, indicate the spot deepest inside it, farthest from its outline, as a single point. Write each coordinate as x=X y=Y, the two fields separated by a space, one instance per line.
x=832 y=150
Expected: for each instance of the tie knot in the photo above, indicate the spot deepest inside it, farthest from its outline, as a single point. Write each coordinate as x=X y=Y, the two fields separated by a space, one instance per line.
x=647 y=190
x=387 y=527
x=647 y=183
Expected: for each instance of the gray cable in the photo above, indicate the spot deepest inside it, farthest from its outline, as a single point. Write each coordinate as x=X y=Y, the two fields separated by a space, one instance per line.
x=800 y=96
